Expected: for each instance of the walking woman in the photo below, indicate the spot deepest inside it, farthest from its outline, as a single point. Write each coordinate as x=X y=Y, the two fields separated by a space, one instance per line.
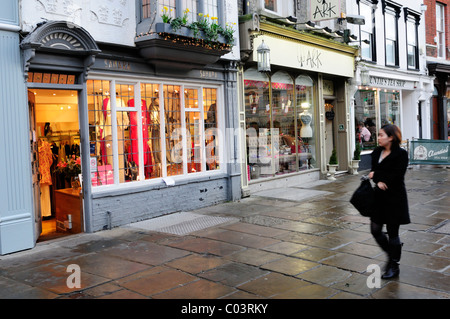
x=389 y=164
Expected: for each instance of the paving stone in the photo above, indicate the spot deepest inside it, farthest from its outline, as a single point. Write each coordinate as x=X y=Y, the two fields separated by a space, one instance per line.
x=286 y=248
x=356 y=284
x=424 y=261
x=146 y=252
x=106 y=266
x=205 y=245
x=53 y=277
x=254 y=257
x=159 y=282
x=200 y=289
x=233 y=274
x=272 y=284
x=349 y=262
x=289 y=266
x=325 y=275
x=315 y=254
x=361 y=250
x=307 y=292
x=195 y=264
x=256 y=229
x=397 y=290
x=239 y=238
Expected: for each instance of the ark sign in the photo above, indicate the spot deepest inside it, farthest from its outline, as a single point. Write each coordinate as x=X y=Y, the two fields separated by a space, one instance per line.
x=325 y=9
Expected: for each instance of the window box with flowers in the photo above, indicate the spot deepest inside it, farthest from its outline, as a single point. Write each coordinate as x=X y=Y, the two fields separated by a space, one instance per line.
x=202 y=42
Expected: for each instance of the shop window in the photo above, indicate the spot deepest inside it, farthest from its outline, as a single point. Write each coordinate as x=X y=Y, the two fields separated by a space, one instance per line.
x=125 y=136
x=275 y=124
x=151 y=130
x=366 y=119
x=389 y=107
x=211 y=128
x=100 y=132
x=174 y=130
x=257 y=120
x=304 y=91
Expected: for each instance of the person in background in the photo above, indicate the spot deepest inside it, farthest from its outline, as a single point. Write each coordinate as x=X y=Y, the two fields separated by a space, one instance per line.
x=364 y=133
x=389 y=164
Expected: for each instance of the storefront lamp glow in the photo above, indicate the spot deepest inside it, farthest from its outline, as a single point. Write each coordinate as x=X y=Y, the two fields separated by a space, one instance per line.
x=305 y=105
x=263 y=57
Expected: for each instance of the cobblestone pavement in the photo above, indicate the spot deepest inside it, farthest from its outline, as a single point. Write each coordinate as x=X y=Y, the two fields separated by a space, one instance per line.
x=261 y=247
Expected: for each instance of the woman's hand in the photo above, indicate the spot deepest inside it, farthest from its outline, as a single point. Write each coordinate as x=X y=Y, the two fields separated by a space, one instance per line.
x=371 y=175
x=382 y=186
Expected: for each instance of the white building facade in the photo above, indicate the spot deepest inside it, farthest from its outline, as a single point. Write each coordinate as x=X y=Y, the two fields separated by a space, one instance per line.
x=391 y=83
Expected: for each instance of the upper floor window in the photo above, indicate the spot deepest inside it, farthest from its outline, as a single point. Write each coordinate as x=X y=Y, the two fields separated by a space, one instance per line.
x=391 y=35
x=283 y=8
x=180 y=8
x=367 y=30
x=440 y=30
x=412 y=22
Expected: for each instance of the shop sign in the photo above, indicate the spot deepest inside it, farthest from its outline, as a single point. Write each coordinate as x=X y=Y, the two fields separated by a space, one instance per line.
x=430 y=152
x=390 y=83
x=117 y=65
x=299 y=55
x=324 y=9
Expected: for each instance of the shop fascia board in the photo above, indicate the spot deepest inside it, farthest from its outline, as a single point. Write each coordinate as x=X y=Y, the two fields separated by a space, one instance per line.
x=396 y=74
x=307 y=38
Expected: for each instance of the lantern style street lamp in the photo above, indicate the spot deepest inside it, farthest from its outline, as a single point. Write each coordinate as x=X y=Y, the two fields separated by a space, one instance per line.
x=263 y=51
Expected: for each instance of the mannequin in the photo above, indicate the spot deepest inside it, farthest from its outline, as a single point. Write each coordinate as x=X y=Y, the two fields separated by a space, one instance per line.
x=146 y=121
x=306 y=118
x=45 y=162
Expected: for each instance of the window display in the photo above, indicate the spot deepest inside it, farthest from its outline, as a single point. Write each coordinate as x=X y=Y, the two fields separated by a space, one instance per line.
x=127 y=144
x=374 y=106
x=280 y=131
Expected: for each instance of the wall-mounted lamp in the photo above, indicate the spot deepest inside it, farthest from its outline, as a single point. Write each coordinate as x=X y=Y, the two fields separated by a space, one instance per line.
x=353 y=19
x=263 y=51
x=365 y=77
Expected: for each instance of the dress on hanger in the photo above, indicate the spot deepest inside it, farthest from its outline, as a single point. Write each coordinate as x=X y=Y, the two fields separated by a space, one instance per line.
x=45 y=162
x=146 y=121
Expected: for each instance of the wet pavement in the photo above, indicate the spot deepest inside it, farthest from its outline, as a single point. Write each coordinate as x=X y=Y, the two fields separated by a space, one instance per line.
x=273 y=245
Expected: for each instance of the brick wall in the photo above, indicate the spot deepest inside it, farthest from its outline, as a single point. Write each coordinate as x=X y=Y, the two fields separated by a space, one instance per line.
x=430 y=20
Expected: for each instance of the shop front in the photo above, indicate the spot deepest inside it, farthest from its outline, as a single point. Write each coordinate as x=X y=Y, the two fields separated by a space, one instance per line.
x=296 y=113
x=113 y=140
x=384 y=97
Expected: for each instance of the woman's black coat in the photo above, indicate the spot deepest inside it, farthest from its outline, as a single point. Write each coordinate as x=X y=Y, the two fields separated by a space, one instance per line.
x=391 y=205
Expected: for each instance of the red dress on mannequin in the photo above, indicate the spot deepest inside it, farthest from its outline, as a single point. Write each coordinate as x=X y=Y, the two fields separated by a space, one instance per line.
x=134 y=152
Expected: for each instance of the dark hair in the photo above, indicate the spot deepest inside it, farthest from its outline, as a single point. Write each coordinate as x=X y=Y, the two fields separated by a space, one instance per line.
x=394 y=131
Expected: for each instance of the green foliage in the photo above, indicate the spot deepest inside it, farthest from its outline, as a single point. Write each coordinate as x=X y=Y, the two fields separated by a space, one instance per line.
x=205 y=23
x=333 y=158
x=357 y=152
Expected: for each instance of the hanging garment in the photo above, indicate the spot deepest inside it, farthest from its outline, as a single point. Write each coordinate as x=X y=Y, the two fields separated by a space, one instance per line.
x=146 y=121
x=45 y=162
x=46 y=205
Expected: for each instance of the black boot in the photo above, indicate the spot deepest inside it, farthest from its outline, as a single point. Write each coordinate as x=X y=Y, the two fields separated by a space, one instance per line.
x=383 y=242
x=393 y=270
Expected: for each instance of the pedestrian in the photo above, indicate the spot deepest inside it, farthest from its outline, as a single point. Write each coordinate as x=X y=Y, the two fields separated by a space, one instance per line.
x=389 y=164
x=363 y=132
